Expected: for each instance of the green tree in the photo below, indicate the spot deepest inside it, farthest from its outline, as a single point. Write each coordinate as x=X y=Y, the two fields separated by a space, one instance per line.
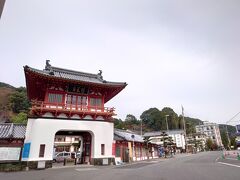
x=214 y=146
x=191 y=123
x=209 y=144
x=132 y=123
x=190 y=128
x=131 y=119
x=172 y=119
x=20 y=118
x=118 y=123
x=233 y=142
x=224 y=139
x=151 y=118
x=19 y=102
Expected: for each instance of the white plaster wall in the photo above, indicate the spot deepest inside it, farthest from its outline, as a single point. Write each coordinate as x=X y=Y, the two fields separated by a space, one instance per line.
x=42 y=131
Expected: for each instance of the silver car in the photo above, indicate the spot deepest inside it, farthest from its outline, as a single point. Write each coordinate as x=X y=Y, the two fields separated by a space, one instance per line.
x=59 y=157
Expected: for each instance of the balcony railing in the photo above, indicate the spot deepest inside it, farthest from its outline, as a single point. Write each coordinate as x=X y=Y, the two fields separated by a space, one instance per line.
x=40 y=106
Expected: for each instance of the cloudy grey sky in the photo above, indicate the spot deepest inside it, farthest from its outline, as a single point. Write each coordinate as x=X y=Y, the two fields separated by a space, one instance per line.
x=170 y=52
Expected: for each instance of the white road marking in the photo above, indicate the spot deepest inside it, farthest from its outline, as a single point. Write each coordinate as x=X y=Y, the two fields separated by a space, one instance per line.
x=229 y=164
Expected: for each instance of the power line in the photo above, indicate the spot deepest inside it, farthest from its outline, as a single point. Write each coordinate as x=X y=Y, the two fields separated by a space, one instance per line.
x=233 y=117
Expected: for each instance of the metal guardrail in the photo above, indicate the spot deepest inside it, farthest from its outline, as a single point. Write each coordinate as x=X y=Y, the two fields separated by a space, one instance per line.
x=231 y=155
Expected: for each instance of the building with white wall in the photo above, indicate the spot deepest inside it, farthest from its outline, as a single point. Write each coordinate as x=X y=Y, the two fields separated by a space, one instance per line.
x=176 y=135
x=211 y=130
x=197 y=140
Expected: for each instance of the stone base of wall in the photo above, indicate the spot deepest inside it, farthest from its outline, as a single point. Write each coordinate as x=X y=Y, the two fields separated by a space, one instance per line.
x=102 y=161
x=34 y=164
x=12 y=166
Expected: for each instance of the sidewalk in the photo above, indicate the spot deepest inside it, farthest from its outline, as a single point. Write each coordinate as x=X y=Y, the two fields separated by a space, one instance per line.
x=154 y=160
x=71 y=165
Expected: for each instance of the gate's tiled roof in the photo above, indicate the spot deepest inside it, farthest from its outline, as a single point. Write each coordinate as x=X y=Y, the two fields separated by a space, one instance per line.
x=10 y=130
x=127 y=135
x=51 y=71
x=159 y=133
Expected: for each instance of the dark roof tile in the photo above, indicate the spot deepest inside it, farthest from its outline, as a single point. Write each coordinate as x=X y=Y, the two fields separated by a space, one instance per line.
x=127 y=135
x=9 y=130
x=74 y=75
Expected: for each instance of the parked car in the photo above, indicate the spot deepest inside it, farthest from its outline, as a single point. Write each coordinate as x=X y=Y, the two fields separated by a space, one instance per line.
x=59 y=157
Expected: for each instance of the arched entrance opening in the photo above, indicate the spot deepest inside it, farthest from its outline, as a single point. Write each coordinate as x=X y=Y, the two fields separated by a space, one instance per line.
x=73 y=147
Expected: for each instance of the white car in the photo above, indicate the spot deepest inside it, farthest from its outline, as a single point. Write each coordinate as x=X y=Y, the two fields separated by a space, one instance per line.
x=59 y=157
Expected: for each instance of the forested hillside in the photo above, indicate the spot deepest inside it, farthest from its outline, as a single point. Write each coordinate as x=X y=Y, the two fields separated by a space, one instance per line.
x=14 y=105
x=154 y=119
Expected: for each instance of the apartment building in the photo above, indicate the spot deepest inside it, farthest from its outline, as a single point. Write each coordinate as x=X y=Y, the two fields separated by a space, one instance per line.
x=211 y=130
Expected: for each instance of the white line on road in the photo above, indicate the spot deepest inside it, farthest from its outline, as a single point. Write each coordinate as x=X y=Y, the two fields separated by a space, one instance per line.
x=229 y=164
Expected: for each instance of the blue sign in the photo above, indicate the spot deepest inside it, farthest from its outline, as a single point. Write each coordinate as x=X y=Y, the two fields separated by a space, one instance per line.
x=26 y=150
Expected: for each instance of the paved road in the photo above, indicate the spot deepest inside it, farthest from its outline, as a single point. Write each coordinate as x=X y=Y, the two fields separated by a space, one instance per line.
x=202 y=166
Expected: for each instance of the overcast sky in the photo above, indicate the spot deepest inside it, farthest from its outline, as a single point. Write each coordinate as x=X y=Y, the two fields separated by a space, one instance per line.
x=170 y=52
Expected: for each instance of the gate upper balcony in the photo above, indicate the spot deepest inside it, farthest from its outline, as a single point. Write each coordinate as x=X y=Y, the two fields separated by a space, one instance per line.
x=75 y=111
x=73 y=94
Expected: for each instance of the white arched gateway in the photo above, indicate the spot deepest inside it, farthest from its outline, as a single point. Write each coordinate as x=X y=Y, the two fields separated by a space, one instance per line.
x=66 y=100
x=41 y=132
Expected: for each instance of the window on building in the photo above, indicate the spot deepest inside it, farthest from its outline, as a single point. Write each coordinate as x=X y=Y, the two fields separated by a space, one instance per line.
x=59 y=139
x=96 y=102
x=102 y=149
x=74 y=100
x=82 y=100
x=69 y=99
x=42 y=150
x=118 y=151
x=55 y=98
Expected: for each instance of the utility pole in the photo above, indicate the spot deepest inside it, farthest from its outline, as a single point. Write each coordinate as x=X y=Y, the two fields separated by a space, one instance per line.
x=2 y=2
x=184 y=128
x=167 y=122
x=133 y=136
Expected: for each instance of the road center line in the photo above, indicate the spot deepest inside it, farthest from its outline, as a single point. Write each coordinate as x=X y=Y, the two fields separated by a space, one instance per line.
x=229 y=164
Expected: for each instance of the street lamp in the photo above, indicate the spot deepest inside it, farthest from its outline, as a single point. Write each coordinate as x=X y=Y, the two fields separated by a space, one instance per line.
x=166 y=121
x=133 y=144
